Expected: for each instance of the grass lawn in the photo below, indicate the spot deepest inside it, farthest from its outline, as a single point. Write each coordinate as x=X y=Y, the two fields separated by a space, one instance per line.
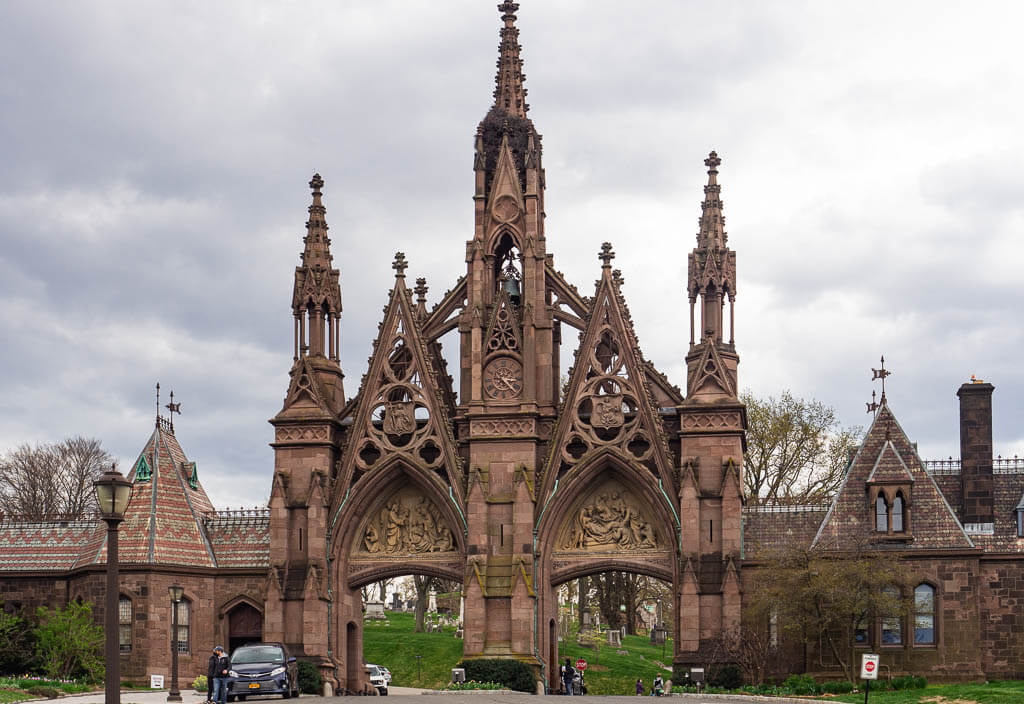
x=393 y=644
x=614 y=670
x=1005 y=692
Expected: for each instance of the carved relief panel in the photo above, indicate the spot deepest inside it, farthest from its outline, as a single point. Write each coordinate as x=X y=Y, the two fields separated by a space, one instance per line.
x=407 y=523
x=611 y=518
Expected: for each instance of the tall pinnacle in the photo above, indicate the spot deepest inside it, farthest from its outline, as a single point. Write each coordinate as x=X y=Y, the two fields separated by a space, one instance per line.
x=509 y=94
x=317 y=253
x=712 y=223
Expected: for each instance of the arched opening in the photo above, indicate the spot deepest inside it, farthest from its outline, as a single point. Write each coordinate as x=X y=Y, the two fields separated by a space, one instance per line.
x=508 y=269
x=353 y=662
x=245 y=625
x=603 y=613
x=412 y=627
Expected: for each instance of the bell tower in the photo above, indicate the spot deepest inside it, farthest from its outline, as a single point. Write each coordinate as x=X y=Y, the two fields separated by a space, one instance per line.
x=509 y=363
x=712 y=422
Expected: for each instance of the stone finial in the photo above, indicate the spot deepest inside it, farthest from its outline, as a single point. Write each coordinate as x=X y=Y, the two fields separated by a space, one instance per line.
x=606 y=255
x=316 y=184
x=712 y=162
x=400 y=265
x=421 y=290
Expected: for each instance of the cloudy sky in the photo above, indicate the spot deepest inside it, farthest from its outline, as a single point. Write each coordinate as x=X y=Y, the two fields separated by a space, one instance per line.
x=155 y=160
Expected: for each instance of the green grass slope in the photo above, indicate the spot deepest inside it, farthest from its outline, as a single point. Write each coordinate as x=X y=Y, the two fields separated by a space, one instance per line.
x=393 y=644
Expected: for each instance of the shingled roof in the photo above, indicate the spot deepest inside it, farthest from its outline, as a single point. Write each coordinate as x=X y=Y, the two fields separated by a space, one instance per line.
x=45 y=546
x=887 y=455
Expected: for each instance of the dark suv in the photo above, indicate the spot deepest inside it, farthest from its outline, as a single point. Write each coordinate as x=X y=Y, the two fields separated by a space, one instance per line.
x=262 y=668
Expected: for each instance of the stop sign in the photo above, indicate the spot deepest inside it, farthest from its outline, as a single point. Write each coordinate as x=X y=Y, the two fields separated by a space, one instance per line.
x=869 y=666
x=581 y=664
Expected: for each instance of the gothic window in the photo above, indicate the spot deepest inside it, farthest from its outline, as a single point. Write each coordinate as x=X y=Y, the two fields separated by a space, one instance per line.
x=773 y=627
x=124 y=624
x=897 y=514
x=1020 y=523
x=181 y=638
x=881 y=514
x=924 y=614
x=861 y=636
x=892 y=623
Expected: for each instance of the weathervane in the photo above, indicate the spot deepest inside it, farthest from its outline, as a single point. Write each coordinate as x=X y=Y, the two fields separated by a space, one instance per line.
x=873 y=406
x=173 y=408
x=875 y=375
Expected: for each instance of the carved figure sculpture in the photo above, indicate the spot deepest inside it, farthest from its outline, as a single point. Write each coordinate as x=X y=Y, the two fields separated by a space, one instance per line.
x=408 y=524
x=610 y=519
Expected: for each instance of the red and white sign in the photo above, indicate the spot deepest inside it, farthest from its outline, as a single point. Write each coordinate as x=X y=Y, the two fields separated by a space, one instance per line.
x=868 y=666
x=581 y=664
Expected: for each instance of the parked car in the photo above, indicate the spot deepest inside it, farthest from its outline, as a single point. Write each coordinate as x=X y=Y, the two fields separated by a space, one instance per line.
x=262 y=668
x=387 y=673
x=378 y=680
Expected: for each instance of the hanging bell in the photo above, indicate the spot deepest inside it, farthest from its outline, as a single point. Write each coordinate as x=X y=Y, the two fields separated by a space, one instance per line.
x=510 y=285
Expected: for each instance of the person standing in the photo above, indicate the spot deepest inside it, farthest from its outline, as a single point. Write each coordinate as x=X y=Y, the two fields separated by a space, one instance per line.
x=221 y=666
x=211 y=672
x=567 y=673
x=639 y=687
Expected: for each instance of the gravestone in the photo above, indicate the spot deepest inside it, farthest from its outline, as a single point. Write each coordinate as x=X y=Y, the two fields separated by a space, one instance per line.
x=375 y=609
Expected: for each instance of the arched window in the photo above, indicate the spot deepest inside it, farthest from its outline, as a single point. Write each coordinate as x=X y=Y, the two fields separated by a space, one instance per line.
x=892 y=624
x=881 y=514
x=924 y=614
x=897 y=514
x=124 y=623
x=181 y=638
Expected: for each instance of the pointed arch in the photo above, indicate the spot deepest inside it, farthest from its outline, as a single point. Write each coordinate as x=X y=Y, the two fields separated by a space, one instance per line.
x=650 y=549
x=394 y=474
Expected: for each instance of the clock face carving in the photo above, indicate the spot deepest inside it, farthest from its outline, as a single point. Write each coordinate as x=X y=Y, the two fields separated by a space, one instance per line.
x=503 y=379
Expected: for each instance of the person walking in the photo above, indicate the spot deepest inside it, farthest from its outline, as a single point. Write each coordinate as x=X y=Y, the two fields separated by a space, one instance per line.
x=658 y=686
x=567 y=673
x=220 y=665
x=639 y=687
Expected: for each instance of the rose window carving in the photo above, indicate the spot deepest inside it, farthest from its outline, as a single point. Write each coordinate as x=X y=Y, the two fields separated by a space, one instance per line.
x=605 y=410
x=400 y=418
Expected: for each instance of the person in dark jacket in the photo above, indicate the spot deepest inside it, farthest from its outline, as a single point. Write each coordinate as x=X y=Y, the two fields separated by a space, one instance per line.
x=211 y=671
x=220 y=665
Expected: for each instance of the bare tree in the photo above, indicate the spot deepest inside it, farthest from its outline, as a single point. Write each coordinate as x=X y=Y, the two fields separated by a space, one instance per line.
x=828 y=597
x=797 y=450
x=48 y=481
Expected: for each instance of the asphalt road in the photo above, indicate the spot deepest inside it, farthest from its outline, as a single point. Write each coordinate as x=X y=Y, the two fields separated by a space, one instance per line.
x=136 y=696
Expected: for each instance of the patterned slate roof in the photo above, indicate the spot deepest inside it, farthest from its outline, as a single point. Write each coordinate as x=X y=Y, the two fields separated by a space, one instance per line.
x=163 y=522
x=240 y=538
x=1008 y=494
x=932 y=522
x=44 y=546
x=168 y=521
x=767 y=528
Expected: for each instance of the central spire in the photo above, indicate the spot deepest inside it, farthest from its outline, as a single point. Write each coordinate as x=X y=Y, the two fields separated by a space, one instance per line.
x=509 y=94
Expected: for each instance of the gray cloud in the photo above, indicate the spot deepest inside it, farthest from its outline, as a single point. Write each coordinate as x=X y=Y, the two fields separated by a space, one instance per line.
x=156 y=158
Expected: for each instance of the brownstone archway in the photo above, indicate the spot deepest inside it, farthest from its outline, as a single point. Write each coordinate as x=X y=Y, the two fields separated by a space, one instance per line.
x=245 y=625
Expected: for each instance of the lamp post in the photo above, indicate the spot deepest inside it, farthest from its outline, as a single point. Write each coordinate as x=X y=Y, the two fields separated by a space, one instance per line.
x=176 y=593
x=112 y=494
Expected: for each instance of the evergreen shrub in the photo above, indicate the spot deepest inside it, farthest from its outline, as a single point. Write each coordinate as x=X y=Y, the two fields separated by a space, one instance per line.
x=510 y=673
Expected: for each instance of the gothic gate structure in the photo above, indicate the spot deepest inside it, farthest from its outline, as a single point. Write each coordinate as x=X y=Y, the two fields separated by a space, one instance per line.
x=513 y=484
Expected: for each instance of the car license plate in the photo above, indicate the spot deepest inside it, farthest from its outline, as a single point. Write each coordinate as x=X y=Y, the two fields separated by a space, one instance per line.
x=254 y=685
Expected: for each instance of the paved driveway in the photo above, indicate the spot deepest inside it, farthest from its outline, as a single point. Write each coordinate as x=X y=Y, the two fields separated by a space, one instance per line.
x=189 y=697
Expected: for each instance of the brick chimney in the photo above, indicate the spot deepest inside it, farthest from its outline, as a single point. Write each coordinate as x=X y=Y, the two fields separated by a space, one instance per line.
x=976 y=452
